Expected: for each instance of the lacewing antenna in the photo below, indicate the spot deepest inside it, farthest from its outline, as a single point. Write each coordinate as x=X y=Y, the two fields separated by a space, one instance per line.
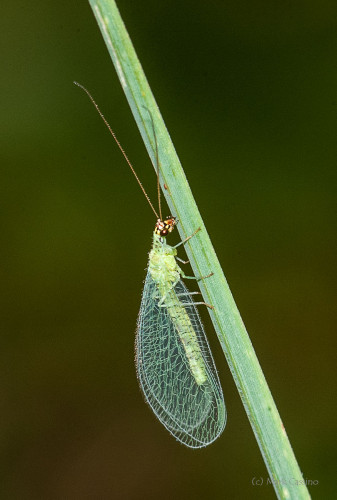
x=124 y=154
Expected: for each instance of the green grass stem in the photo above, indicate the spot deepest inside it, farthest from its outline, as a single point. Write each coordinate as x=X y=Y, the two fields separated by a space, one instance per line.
x=252 y=386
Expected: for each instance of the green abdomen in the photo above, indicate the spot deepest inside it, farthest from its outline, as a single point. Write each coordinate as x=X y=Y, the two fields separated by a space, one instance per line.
x=187 y=336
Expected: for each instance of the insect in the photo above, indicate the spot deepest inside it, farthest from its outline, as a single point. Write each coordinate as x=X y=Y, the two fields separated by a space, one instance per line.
x=174 y=364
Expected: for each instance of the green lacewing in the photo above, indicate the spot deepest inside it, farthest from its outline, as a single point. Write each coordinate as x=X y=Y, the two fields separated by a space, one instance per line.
x=174 y=364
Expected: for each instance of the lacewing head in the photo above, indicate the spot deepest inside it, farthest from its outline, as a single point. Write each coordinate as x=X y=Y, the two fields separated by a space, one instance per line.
x=163 y=227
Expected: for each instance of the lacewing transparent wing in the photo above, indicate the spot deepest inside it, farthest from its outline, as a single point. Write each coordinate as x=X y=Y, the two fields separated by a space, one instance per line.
x=174 y=363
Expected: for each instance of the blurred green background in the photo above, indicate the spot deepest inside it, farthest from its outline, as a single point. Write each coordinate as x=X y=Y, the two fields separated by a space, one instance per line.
x=248 y=92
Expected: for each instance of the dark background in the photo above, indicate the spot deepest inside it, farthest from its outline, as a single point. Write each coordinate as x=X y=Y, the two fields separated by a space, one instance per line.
x=248 y=93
